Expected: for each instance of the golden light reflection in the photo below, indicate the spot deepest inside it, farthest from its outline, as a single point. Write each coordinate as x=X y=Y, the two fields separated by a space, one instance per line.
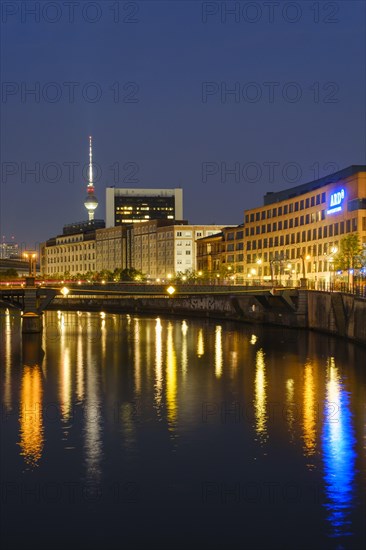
x=158 y=364
x=92 y=416
x=309 y=415
x=171 y=380
x=260 y=396
x=184 y=356
x=65 y=393
x=290 y=403
x=7 y=378
x=137 y=356
x=253 y=339
x=218 y=351
x=200 y=343
x=31 y=416
x=79 y=365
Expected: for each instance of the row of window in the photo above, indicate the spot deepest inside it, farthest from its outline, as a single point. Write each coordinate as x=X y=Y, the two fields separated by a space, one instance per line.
x=287 y=224
x=234 y=235
x=77 y=257
x=313 y=251
x=304 y=236
x=286 y=209
x=59 y=249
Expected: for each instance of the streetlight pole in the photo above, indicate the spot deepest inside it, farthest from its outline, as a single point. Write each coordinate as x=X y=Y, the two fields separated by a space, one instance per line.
x=303 y=280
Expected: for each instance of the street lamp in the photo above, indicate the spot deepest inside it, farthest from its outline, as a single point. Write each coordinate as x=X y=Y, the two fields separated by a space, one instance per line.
x=259 y=263
x=303 y=280
x=30 y=256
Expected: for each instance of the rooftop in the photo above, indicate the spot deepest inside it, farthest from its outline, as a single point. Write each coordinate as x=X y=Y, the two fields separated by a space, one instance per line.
x=279 y=196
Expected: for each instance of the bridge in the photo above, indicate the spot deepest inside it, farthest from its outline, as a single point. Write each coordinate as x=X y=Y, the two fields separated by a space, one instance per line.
x=327 y=310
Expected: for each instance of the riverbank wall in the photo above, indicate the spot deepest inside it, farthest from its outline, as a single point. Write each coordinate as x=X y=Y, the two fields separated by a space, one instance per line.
x=335 y=313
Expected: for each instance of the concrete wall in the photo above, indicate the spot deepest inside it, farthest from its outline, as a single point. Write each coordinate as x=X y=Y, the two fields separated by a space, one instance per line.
x=339 y=314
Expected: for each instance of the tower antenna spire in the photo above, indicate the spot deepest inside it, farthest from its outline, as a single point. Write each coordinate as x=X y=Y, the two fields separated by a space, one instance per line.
x=91 y=201
x=90 y=161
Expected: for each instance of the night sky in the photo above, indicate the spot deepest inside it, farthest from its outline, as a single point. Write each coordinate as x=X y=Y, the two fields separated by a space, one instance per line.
x=148 y=83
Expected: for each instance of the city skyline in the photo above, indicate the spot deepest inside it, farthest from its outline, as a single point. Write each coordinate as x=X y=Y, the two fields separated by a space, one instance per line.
x=146 y=95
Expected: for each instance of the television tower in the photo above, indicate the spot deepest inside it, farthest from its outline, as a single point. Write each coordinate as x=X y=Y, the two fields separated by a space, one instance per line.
x=91 y=201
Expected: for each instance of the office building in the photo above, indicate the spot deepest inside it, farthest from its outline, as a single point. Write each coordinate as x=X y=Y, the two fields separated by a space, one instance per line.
x=126 y=206
x=297 y=232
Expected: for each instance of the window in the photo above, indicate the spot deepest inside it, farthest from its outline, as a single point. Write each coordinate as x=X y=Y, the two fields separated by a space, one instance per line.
x=302 y=205
x=257 y=216
x=252 y=217
x=312 y=201
x=263 y=216
x=279 y=226
x=318 y=199
x=285 y=209
x=280 y=210
x=296 y=206
x=325 y=232
x=323 y=197
x=274 y=212
x=285 y=224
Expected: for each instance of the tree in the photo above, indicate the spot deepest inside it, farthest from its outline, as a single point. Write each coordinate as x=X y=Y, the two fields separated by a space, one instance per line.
x=128 y=274
x=9 y=274
x=350 y=254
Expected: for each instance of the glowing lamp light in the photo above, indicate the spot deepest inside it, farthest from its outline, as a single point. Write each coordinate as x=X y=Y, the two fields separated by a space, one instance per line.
x=64 y=291
x=170 y=290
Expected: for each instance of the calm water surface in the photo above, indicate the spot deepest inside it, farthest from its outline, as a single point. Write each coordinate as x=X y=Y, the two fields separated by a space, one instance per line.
x=124 y=431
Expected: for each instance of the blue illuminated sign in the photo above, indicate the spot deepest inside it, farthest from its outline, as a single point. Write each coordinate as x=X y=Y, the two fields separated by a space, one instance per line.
x=336 y=200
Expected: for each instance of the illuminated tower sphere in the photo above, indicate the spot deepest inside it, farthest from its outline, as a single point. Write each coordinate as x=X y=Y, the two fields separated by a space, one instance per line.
x=91 y=201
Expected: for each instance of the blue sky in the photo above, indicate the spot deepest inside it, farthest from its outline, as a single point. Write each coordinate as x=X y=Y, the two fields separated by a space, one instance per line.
x=150 y=87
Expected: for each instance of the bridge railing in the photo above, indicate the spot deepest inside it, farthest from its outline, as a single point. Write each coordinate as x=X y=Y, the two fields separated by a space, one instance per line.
x=357 y=289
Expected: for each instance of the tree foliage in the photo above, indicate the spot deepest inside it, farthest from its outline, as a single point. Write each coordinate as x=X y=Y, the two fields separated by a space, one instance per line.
x=351 y=254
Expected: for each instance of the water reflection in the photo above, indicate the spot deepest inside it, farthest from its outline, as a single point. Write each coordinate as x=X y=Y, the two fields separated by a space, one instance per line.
x=31 y=401
x=158 y=389
x=218 y=351
x=309 y=415
x=260 y=396
x=171 y=380
x=200 y=343
x=290 y=408
x=339 y=455
x=148 y=374
x=7 y=346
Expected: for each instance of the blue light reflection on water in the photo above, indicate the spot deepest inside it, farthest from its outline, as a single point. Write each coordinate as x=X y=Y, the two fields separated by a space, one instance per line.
x=338 y=443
